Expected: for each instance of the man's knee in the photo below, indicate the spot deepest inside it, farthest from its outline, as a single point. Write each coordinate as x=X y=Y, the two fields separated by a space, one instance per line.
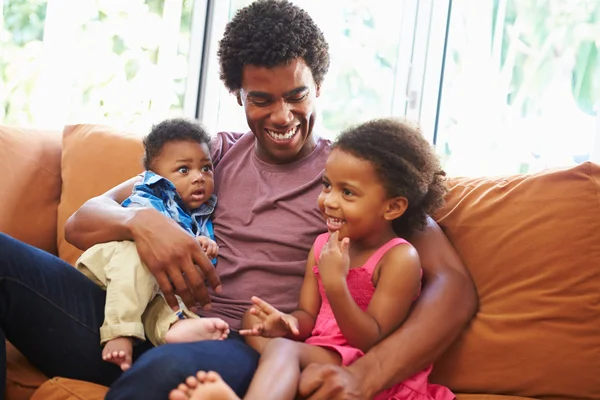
x=160 y=370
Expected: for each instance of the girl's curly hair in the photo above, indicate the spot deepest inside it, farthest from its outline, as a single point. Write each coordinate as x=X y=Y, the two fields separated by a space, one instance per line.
x=406 y=164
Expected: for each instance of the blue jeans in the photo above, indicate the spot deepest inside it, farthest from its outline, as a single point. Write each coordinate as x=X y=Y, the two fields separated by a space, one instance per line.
x=52 y=313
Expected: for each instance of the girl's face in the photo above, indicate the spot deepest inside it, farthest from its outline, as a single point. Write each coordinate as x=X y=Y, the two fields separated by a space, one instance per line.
x=353 y=200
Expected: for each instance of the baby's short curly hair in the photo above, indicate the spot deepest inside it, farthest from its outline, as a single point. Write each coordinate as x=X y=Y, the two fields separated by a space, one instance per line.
x=269 y=33
x=406 y=164
x=170 y=130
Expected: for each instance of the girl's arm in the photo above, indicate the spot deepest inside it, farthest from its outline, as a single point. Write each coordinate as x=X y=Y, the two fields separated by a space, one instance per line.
x=309 y=303
x=398 y=285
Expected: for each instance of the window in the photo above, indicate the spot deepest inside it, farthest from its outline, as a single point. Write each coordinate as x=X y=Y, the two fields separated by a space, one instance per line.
x=114 y=62
x=521 y=86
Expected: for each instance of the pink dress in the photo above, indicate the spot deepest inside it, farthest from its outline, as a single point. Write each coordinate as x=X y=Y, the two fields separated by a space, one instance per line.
x=327 y=333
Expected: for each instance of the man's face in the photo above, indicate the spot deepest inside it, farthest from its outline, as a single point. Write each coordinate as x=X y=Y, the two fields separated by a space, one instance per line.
x=280 y=109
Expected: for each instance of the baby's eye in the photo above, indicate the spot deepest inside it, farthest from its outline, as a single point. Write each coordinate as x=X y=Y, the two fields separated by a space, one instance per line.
x=183 y=170
x=207 y=168
x=326 y=185
x=347 y=192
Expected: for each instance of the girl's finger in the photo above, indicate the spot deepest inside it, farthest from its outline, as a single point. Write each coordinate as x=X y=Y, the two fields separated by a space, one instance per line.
x=263 y=305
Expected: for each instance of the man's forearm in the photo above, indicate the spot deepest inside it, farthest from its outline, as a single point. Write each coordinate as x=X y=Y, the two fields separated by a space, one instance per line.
x=444 y=308
x=99 y=220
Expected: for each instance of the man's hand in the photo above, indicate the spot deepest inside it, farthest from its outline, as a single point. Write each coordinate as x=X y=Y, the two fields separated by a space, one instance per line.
x=273 y=323
x=209 y=246
x=330 y=382
x=174 y=257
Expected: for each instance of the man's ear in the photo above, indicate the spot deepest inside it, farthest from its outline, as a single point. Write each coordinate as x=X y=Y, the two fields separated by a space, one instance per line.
x=318 y=92
x=238 y=96
x=396 y=207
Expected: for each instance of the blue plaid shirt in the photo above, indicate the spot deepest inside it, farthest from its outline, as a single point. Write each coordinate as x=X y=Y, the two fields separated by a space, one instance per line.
x=159 y=193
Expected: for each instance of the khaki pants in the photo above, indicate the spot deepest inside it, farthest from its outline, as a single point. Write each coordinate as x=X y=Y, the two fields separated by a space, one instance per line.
x=134 y=306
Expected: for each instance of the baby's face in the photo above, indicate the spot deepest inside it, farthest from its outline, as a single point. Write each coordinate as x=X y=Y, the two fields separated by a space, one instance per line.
x=189 y=167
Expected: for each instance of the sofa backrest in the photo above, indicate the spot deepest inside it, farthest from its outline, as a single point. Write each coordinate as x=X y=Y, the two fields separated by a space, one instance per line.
x=532 y=246
x=95 y=159
x=31 y=184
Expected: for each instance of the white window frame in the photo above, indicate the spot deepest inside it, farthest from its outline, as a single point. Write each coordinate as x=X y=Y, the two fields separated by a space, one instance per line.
x=427 y=63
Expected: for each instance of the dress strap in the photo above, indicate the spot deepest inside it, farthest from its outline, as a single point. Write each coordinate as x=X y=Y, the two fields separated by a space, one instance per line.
x=376 y=257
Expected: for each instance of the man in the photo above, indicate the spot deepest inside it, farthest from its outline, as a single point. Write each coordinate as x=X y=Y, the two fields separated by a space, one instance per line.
x=273 y=59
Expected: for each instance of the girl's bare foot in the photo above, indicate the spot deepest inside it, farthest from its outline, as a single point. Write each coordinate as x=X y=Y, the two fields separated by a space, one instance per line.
x=196 y=329
x=203 y=386
x=118 y=351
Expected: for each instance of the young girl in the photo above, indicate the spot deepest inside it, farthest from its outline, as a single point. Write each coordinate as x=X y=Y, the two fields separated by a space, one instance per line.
x=381 y=180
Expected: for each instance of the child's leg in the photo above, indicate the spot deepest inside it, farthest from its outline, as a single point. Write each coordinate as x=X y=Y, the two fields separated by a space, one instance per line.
x=196 y=329
x=163 y=325
x=129 y=288
x=276 y=378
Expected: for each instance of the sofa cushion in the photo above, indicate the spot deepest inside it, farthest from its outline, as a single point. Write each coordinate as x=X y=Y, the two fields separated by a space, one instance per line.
x=22 y=378
x=30 y=170
x=69 y=389
x=95 y=158
x=532 y=245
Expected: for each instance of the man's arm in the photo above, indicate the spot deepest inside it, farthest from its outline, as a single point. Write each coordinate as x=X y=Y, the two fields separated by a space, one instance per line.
x=102 y=219
x=165 y=248
x=446 y=305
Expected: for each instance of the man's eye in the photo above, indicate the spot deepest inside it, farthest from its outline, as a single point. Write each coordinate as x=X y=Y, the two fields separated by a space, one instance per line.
x=183 y=170
x=260 y=102
x=297 y=98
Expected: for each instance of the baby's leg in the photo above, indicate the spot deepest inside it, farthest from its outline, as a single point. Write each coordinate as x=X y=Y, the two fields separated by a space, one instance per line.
x=118 y=351
x=196 y=329
x=129 y=288
x=276 y=378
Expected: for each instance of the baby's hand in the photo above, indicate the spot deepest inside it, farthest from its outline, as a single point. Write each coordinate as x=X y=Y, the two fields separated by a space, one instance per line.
x=273 y=323
x=209 y=246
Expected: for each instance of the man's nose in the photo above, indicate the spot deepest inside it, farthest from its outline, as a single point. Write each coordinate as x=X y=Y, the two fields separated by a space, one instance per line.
x=282 y=114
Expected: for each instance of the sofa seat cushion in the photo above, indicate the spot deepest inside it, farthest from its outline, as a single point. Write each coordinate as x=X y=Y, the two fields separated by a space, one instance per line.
x=532 y=246
x=95 y=158
x=22 y=378
x=30 y=170
x=69 y=389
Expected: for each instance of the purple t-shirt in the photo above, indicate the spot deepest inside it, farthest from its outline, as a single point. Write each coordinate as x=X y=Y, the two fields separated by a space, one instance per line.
x=265 y=222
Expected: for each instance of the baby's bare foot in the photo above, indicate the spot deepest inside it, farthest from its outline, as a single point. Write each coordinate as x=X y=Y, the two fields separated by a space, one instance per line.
x=204 y=386
x=197 y=329
x=118 y=351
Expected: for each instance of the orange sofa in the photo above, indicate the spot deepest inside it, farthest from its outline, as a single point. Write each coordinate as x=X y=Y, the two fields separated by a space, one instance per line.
x=531 y=243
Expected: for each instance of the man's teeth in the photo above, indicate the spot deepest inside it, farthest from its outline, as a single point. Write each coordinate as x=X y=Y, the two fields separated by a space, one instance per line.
x=282 y=136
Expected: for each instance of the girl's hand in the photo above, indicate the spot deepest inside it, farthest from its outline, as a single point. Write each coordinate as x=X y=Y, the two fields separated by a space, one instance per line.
x=273 y=323
x=209 y=246
x=334 y=262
